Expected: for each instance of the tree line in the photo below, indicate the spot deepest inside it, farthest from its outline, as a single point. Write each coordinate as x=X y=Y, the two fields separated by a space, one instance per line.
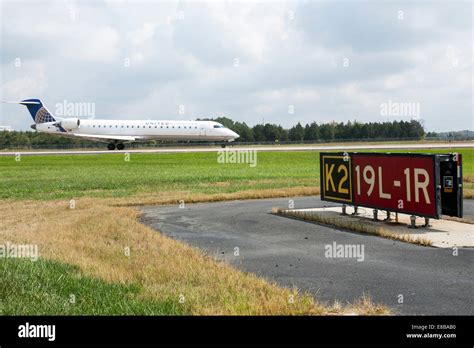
x=259 y=133
x=326 y=131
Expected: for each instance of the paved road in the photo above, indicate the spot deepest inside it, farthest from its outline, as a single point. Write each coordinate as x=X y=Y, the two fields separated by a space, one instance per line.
x=292 y=252
x=258 y=148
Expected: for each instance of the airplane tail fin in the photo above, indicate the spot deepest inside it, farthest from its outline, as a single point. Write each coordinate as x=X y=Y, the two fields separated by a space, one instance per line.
x=38 y=111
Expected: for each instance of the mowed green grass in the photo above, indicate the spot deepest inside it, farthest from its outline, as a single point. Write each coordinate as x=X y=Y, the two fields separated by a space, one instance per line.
x=45 y=287
x=110 y=175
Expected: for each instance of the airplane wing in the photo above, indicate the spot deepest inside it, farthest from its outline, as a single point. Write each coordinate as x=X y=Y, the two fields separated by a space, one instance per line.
x=106 y=138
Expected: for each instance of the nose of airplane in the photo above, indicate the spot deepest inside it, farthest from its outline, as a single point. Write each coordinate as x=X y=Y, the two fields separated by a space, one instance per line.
x=233 y=134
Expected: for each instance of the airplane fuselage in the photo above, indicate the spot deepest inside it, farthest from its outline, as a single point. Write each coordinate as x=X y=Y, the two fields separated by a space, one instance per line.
x=143 y=130
x=118 y=132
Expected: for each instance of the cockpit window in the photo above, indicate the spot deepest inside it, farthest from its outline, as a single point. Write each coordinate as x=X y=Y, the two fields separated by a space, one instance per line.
x=218 y=126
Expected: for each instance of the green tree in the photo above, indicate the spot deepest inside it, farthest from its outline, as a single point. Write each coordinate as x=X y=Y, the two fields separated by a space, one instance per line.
x=326 y=131
x=244 y=131
x=283 y=133
x=311 y=132
x=258 y=133
x=296 y=133
x=271 y=132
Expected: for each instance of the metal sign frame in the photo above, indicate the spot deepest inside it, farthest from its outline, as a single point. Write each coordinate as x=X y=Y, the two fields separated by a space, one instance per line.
x=353 y=199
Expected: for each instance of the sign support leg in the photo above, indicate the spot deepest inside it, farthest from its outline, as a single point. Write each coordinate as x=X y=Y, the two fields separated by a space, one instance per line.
x=376 y=215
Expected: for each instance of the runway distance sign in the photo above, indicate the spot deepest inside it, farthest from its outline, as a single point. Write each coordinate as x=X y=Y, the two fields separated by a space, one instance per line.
x=336 y=177
x=405 y=183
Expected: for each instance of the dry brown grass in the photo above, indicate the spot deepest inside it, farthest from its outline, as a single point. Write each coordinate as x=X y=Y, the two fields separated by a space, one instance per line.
x=174 y=197
x=353 y=224
x=95 y=234
x=468 y=178
x=468 y=193
x=366 y=303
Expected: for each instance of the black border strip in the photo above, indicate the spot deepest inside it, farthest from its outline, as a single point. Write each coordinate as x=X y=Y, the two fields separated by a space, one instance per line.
x=239 y=329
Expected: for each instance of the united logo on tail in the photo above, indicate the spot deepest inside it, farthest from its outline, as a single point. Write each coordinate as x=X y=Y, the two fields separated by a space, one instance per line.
x=38 y=111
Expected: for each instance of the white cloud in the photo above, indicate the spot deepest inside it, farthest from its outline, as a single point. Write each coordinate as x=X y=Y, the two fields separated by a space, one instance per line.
x=30 y=79
x=142 y=35
x=289 y=53
x=97 y=45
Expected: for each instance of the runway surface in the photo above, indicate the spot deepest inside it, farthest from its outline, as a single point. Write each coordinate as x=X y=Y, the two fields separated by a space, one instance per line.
x=257 y=148
x=292 y=252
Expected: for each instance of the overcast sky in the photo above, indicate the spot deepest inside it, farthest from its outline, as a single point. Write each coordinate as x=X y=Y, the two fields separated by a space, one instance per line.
x=281 y=62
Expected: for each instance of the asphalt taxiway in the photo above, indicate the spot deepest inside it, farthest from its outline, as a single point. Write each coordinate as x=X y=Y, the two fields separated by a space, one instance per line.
x=292 y=253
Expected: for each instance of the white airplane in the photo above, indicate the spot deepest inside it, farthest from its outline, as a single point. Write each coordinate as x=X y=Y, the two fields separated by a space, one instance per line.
x=118 y=132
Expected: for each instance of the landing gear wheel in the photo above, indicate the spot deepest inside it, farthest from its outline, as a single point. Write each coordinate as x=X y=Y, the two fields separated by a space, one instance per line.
x=223 y=146
x=111 y=146
x=120 y=146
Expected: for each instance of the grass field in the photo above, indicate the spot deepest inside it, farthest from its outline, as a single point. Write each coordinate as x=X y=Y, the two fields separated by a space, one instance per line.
x=66 y=177
x=146 y=272
x=82 y=249
x=36 y=284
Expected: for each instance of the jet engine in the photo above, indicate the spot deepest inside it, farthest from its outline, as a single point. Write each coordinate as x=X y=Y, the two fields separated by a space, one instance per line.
x=69 y=123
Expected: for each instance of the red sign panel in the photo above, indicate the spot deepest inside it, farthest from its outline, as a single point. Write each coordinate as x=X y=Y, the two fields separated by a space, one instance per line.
x=400 y=183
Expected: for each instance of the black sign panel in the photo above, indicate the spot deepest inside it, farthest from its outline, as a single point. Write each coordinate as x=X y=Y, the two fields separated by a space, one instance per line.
x=336 y=177
x=451 y=185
